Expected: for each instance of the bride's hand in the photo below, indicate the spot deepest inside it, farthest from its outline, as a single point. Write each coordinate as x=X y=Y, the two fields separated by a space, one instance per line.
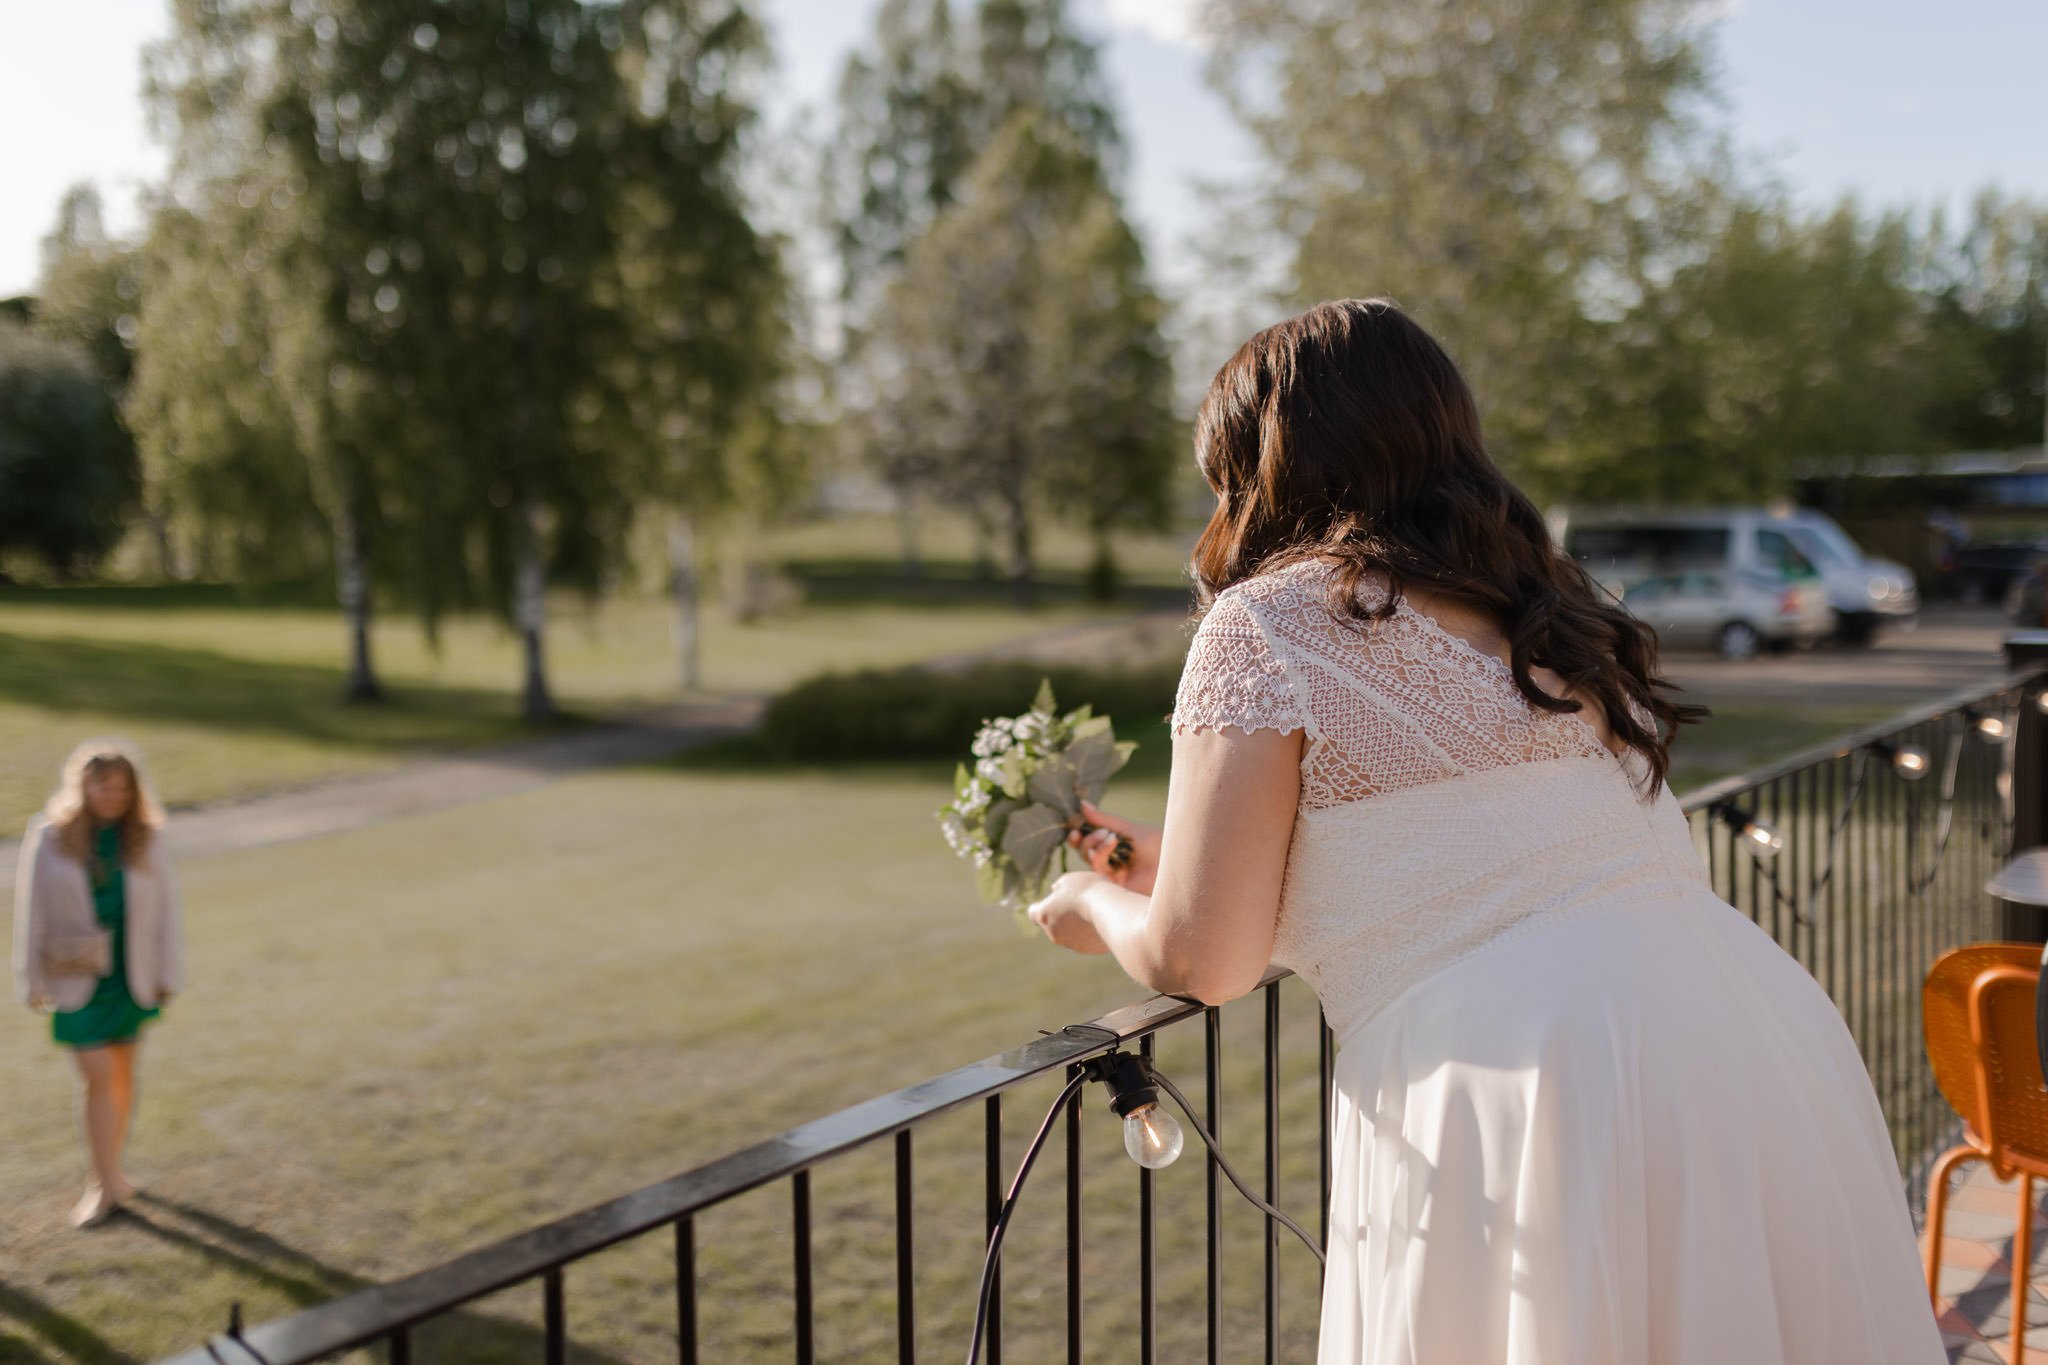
x=1063 y=914
x=1098 y=843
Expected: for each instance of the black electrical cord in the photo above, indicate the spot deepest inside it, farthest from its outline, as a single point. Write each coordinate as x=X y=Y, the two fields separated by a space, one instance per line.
x=1002 y=1223
x=995 y=1234
x=1229 y=1170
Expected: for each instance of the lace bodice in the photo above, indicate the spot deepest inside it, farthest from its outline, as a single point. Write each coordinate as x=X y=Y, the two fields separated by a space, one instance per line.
x=1439 y=809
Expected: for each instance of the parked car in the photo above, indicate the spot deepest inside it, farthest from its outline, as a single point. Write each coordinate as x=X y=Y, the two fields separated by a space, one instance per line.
x=1866 y=593
x=1736 y=613
x=1989 y=571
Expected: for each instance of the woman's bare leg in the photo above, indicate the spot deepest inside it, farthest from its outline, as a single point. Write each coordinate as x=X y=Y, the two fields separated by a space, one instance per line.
x=123 y=1056
x=97 y=1117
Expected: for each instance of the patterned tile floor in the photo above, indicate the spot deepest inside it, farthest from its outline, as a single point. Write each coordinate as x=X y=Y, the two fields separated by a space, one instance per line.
x=1975 y=1307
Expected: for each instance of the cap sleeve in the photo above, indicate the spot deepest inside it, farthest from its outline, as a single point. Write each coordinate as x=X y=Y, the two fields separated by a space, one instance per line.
x=1234 y=676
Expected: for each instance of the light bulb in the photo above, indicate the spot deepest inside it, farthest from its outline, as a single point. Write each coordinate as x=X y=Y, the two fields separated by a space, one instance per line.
x=1152 y=1137
x=1910 y=761
x=1991 y=727
x=1764 y=840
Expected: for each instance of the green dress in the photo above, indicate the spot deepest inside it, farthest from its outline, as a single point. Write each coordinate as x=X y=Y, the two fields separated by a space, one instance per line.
x=111 y=1016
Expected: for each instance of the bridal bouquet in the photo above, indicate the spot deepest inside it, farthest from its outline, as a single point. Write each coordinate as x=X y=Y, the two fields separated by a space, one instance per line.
x=1014 y=807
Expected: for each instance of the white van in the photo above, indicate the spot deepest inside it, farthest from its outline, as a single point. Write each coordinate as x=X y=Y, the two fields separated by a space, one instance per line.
x=1620 y=549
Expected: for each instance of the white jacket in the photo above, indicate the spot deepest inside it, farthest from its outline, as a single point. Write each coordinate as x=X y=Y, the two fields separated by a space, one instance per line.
x=53 y=896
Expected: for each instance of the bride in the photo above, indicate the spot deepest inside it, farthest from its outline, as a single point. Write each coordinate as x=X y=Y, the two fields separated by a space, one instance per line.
x=1586 y=1113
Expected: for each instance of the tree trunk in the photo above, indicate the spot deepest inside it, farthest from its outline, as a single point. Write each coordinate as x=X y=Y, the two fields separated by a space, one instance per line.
x=1023 y=572
x=530 y=608
x=1102 y=570
x=352 y=585
x=984 y=541
x=160 y=538
x=907 y=528
x=682 y=571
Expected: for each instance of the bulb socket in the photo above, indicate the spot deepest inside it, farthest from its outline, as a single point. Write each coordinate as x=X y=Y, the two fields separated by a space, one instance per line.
x=1128 y=1078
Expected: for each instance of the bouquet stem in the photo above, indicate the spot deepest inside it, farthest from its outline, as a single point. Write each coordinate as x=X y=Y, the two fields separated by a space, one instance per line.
x=1120 y=855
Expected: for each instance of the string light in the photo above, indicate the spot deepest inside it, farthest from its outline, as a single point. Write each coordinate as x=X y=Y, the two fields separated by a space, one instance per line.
x=1759 y=836
x=1909 y=761
x=1990 y=727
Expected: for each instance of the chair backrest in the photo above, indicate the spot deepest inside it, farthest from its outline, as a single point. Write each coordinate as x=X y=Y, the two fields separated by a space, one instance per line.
x=1977 y=1012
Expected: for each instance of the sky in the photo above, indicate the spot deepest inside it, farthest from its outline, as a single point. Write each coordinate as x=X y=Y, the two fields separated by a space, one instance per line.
x=1893 y=101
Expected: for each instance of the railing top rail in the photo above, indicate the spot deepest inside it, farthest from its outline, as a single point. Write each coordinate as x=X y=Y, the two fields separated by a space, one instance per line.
x=374 y=1312
x=1845 y=745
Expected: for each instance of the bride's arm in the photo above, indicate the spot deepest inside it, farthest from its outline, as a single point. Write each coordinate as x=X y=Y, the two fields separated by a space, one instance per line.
x=1207 y=928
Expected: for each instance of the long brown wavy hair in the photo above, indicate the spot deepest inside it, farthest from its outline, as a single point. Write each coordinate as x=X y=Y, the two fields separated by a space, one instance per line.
x=1346 y=434
x=71 y=822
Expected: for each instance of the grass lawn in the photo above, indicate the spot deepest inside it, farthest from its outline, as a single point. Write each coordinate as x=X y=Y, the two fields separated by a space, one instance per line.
x=409 y=1039
x=1744 y=735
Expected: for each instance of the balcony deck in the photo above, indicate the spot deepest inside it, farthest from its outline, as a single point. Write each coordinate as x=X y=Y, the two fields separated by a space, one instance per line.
x=1976 y=1272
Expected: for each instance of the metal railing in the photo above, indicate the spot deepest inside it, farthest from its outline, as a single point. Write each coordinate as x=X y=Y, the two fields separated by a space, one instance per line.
x=1878 y=874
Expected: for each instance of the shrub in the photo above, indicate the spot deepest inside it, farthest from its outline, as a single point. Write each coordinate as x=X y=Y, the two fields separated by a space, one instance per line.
x=923 y=713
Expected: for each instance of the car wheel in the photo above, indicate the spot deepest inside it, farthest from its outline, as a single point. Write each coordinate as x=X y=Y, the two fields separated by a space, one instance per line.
x=1739 y=640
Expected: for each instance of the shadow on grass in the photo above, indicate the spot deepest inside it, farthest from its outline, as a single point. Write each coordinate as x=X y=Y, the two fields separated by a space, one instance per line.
x=60 y=1332
x=461 y=1336
x=203 y=687
x=870 y=582
x=168 y=596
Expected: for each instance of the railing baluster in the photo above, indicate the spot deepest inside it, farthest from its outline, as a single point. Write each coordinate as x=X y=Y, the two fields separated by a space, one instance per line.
x=686 y=1291
x=800 y=1211
x=1212 y=1050
x=554 y=1317
x=1074 y=1224
x=400 y=1343
x=906 y=1278
x=1148 y=1251
x=1272 y=1172
x=1326 y=1065
x=993 y=1123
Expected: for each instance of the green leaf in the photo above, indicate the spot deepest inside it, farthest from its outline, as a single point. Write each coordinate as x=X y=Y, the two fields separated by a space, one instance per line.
x=997 y=817
x=1043 y=702
x=1056 y=784
x=1098 y=725
x=1095 y=760
x=1015 y=775
x=1032 y=835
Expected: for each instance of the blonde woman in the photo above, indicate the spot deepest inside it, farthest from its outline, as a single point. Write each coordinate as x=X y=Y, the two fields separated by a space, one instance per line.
x=97 y=943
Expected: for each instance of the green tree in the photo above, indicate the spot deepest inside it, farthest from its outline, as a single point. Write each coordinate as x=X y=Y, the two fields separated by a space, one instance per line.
x=925 y=103
x=705 y=341
x=1989 y=323
x=1514 y=172
x=450 y=186
x=1797 y=336
x=67 y=465
x=1020 y=344
x=228 y=473
x=90 y=288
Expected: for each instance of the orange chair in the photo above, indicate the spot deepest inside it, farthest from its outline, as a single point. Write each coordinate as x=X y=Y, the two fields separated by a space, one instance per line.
x=1977 y=1009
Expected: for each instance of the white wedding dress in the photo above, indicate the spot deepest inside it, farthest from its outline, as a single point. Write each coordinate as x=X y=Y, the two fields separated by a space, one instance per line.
x=1586 y=1113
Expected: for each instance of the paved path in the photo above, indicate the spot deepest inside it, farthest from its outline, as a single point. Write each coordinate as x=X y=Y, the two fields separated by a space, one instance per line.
x=1950 y=648
x=432 y=784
